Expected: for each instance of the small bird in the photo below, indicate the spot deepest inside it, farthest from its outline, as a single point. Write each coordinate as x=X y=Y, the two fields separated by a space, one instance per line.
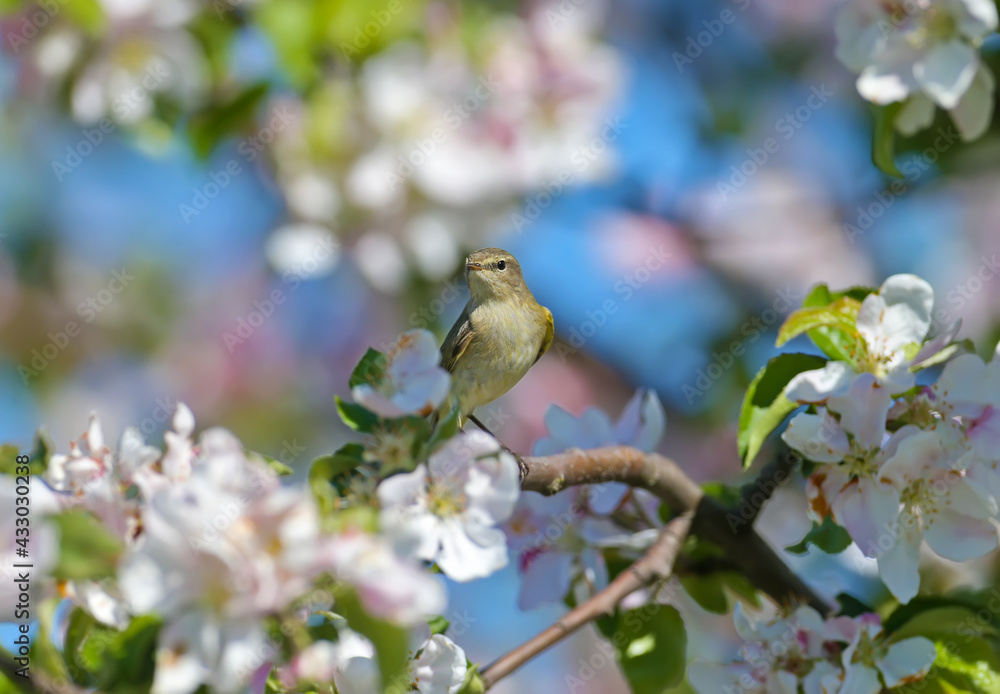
x=500 y=334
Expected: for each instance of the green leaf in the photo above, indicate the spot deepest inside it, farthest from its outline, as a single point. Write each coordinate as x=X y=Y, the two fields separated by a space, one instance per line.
x=87 y=549
x=357 y=417
x=275 y=465
x=473 y=683
x=87 y=13
x=651 y=643
x=971 y=601
x=968 y=666
x=708 y=591
x=370 y=370
x=78 y=628
x=44 y=655
x=438 y=624
x=392 y=642
x=765 y=406
x=41 y=452
x=131 y=658
x=840 y=315
x=209 y=126
x=328 y=473
x=834 y=342
x=827 y=536
x=8 y=458
x=884 y=138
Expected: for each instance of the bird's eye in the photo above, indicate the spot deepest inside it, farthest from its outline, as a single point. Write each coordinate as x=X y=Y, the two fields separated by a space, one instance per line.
x=501 y=265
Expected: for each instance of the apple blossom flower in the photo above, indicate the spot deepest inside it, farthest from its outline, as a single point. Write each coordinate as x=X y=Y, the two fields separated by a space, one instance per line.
x=640 y=425
x=349 y=663
x=873 y=661
x=219 y=551
x=556 y=541
x=940 y=504
x=413 y=383
x=452 y=504
x=804 y=653
x=892 y=322
x=851 y=451
x=440 y=668
x=966 y=398
x=923 y=52
x=390 y=586
x=777 y=656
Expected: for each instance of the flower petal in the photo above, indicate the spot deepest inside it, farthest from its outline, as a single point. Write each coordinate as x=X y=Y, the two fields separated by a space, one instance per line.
x=819 y=438
x=469 y=552
x=642 y=422
x=868 y=510
x=819 y=384
x=907 y=660
x=946 y=71
x=863 y=409
x=898 y=565
x=959 y=538
x=973 y=113
x=860 y=679
x=917 y=114
x=441 y=667
x=545 y=579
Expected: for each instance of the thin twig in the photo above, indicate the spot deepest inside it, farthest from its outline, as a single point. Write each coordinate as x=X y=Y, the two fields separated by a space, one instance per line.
x=656 y=564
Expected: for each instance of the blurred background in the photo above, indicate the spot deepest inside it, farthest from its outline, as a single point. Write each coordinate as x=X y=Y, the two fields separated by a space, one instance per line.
x=225 y=203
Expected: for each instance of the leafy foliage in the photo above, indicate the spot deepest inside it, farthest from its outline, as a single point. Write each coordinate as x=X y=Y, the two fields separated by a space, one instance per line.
x=827 y=536
x=765 y=406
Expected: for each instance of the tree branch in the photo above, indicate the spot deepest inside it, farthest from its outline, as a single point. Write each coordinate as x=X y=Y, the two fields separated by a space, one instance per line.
x=657 y=563
x=712 y=521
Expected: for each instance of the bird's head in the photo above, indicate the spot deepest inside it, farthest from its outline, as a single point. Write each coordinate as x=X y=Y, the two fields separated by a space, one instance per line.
x=494 y=273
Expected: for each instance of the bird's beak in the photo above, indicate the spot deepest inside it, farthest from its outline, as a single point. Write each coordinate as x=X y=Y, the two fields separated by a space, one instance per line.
x=473 y=266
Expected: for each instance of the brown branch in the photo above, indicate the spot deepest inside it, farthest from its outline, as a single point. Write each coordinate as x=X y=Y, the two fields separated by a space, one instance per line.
x=753 y=495
x=656 y=564
x=722 y=526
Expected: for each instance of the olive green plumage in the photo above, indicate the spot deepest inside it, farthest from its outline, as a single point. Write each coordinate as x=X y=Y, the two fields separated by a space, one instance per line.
x=500 y=334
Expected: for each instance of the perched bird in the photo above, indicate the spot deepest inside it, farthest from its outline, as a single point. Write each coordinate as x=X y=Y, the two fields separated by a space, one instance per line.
x=500 y=334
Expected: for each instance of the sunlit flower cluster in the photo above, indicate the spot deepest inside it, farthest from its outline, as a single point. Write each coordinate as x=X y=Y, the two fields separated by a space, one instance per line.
x=900 y=463
x=802 y=652
x=924 y=53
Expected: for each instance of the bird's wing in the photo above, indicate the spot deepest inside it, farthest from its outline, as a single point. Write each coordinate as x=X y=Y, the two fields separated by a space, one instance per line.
x=550 y=331
x=458 y=339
